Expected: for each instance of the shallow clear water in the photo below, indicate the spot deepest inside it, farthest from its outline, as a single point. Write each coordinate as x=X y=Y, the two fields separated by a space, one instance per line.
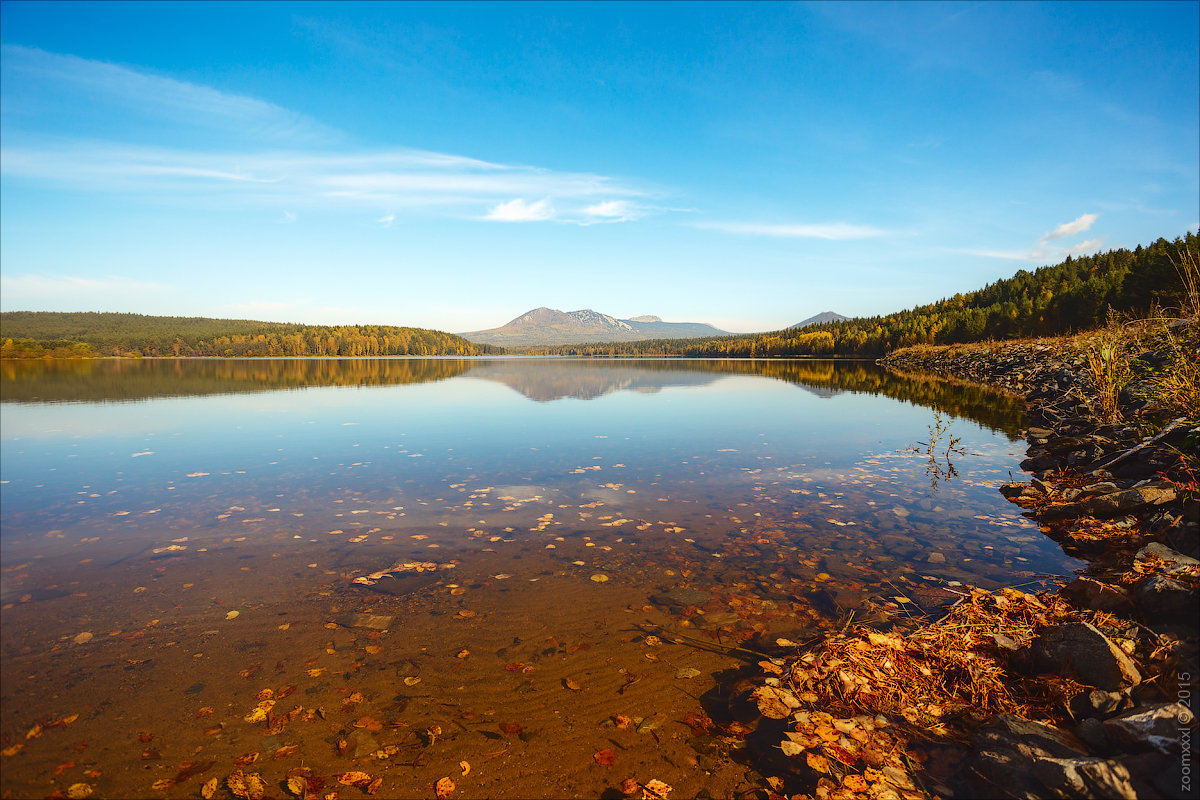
x=789 y=493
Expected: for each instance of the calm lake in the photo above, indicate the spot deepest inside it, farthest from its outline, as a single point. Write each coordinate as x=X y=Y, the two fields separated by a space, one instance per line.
x=181 y=542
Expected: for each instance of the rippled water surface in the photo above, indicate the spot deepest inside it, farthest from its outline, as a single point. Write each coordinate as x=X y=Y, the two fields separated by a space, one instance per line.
x=512 y=522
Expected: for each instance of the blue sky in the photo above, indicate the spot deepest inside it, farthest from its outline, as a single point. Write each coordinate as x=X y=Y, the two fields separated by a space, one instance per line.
x=452 y=166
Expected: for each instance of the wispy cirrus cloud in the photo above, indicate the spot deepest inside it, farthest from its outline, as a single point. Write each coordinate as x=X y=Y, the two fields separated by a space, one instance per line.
x=830 y=230
x=117 y=97
x=199 y=144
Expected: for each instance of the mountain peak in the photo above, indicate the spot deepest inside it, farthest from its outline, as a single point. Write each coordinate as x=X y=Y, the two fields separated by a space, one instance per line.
x=824 y=316
x=549 y=326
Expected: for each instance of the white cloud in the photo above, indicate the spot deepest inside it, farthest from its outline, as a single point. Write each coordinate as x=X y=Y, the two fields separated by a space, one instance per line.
x=1077 y=225
x=831 y=230
x=613 y=211
x=1045 y=252
x=518 y=210
x=288 y=217
x=1088 y=246
x=386 y=220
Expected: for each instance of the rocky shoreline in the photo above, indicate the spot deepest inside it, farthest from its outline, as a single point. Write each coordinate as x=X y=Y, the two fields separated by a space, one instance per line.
x=1103 y=492
x=1085 y=691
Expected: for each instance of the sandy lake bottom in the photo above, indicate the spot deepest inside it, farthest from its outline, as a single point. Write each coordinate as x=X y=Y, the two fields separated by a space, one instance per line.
x=178 y=573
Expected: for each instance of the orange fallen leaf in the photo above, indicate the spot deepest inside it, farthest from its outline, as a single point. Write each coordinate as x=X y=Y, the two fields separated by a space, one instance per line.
x=511 y=729
x=285 y=751
x=624 y=722
x=61 y=768
x=354 y=778
x=818 y=762
x=855 y=783
x=371 y=724
x=466 y=768
x=13 y=750
x=605 y=757
x=572 y=684
x=443 y=788
x=34 y=732
x=204 y=711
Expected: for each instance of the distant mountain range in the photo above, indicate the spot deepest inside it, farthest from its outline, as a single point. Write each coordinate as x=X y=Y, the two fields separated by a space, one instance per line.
x=824 y=316
x=549 y=326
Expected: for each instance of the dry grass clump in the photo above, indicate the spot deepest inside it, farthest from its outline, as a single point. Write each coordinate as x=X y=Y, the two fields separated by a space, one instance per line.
x=856 y=702
x=944 y=669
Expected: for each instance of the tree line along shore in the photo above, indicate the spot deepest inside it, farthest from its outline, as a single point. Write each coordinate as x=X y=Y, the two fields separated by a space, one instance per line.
x=1075 y=295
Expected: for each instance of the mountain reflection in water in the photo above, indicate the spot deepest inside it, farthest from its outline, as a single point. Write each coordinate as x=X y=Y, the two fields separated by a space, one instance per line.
x=541 y=380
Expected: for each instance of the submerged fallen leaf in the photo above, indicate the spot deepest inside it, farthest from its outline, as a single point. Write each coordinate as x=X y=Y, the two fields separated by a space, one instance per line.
x=297 y=785
x=209 y=788
x=511 y=729
x=572 y=684
x=79 y=791
x=443 y=788
x=656 y=790
x=12 y=750
x=231 y=615
x=285 y=751
x=354 y=778
x=246 y=785
x=630 y=786
x=605 y=757
x=466 y=768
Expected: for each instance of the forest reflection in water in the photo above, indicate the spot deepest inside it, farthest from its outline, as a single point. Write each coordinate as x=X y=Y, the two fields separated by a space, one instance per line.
x=542 y=379
x=144 y=502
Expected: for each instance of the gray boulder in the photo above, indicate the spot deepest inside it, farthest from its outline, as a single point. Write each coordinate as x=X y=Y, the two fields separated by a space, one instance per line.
x=1079 y=650
x=1154 y=727
x=1032 y=760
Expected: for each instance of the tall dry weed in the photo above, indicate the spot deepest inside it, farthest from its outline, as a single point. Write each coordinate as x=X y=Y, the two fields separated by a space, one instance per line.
x=1187 y=264
x=1108 y=369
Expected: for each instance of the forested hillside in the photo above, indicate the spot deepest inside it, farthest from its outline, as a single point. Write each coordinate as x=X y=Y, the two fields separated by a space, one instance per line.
x=1064 y=298
x=40 y=333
